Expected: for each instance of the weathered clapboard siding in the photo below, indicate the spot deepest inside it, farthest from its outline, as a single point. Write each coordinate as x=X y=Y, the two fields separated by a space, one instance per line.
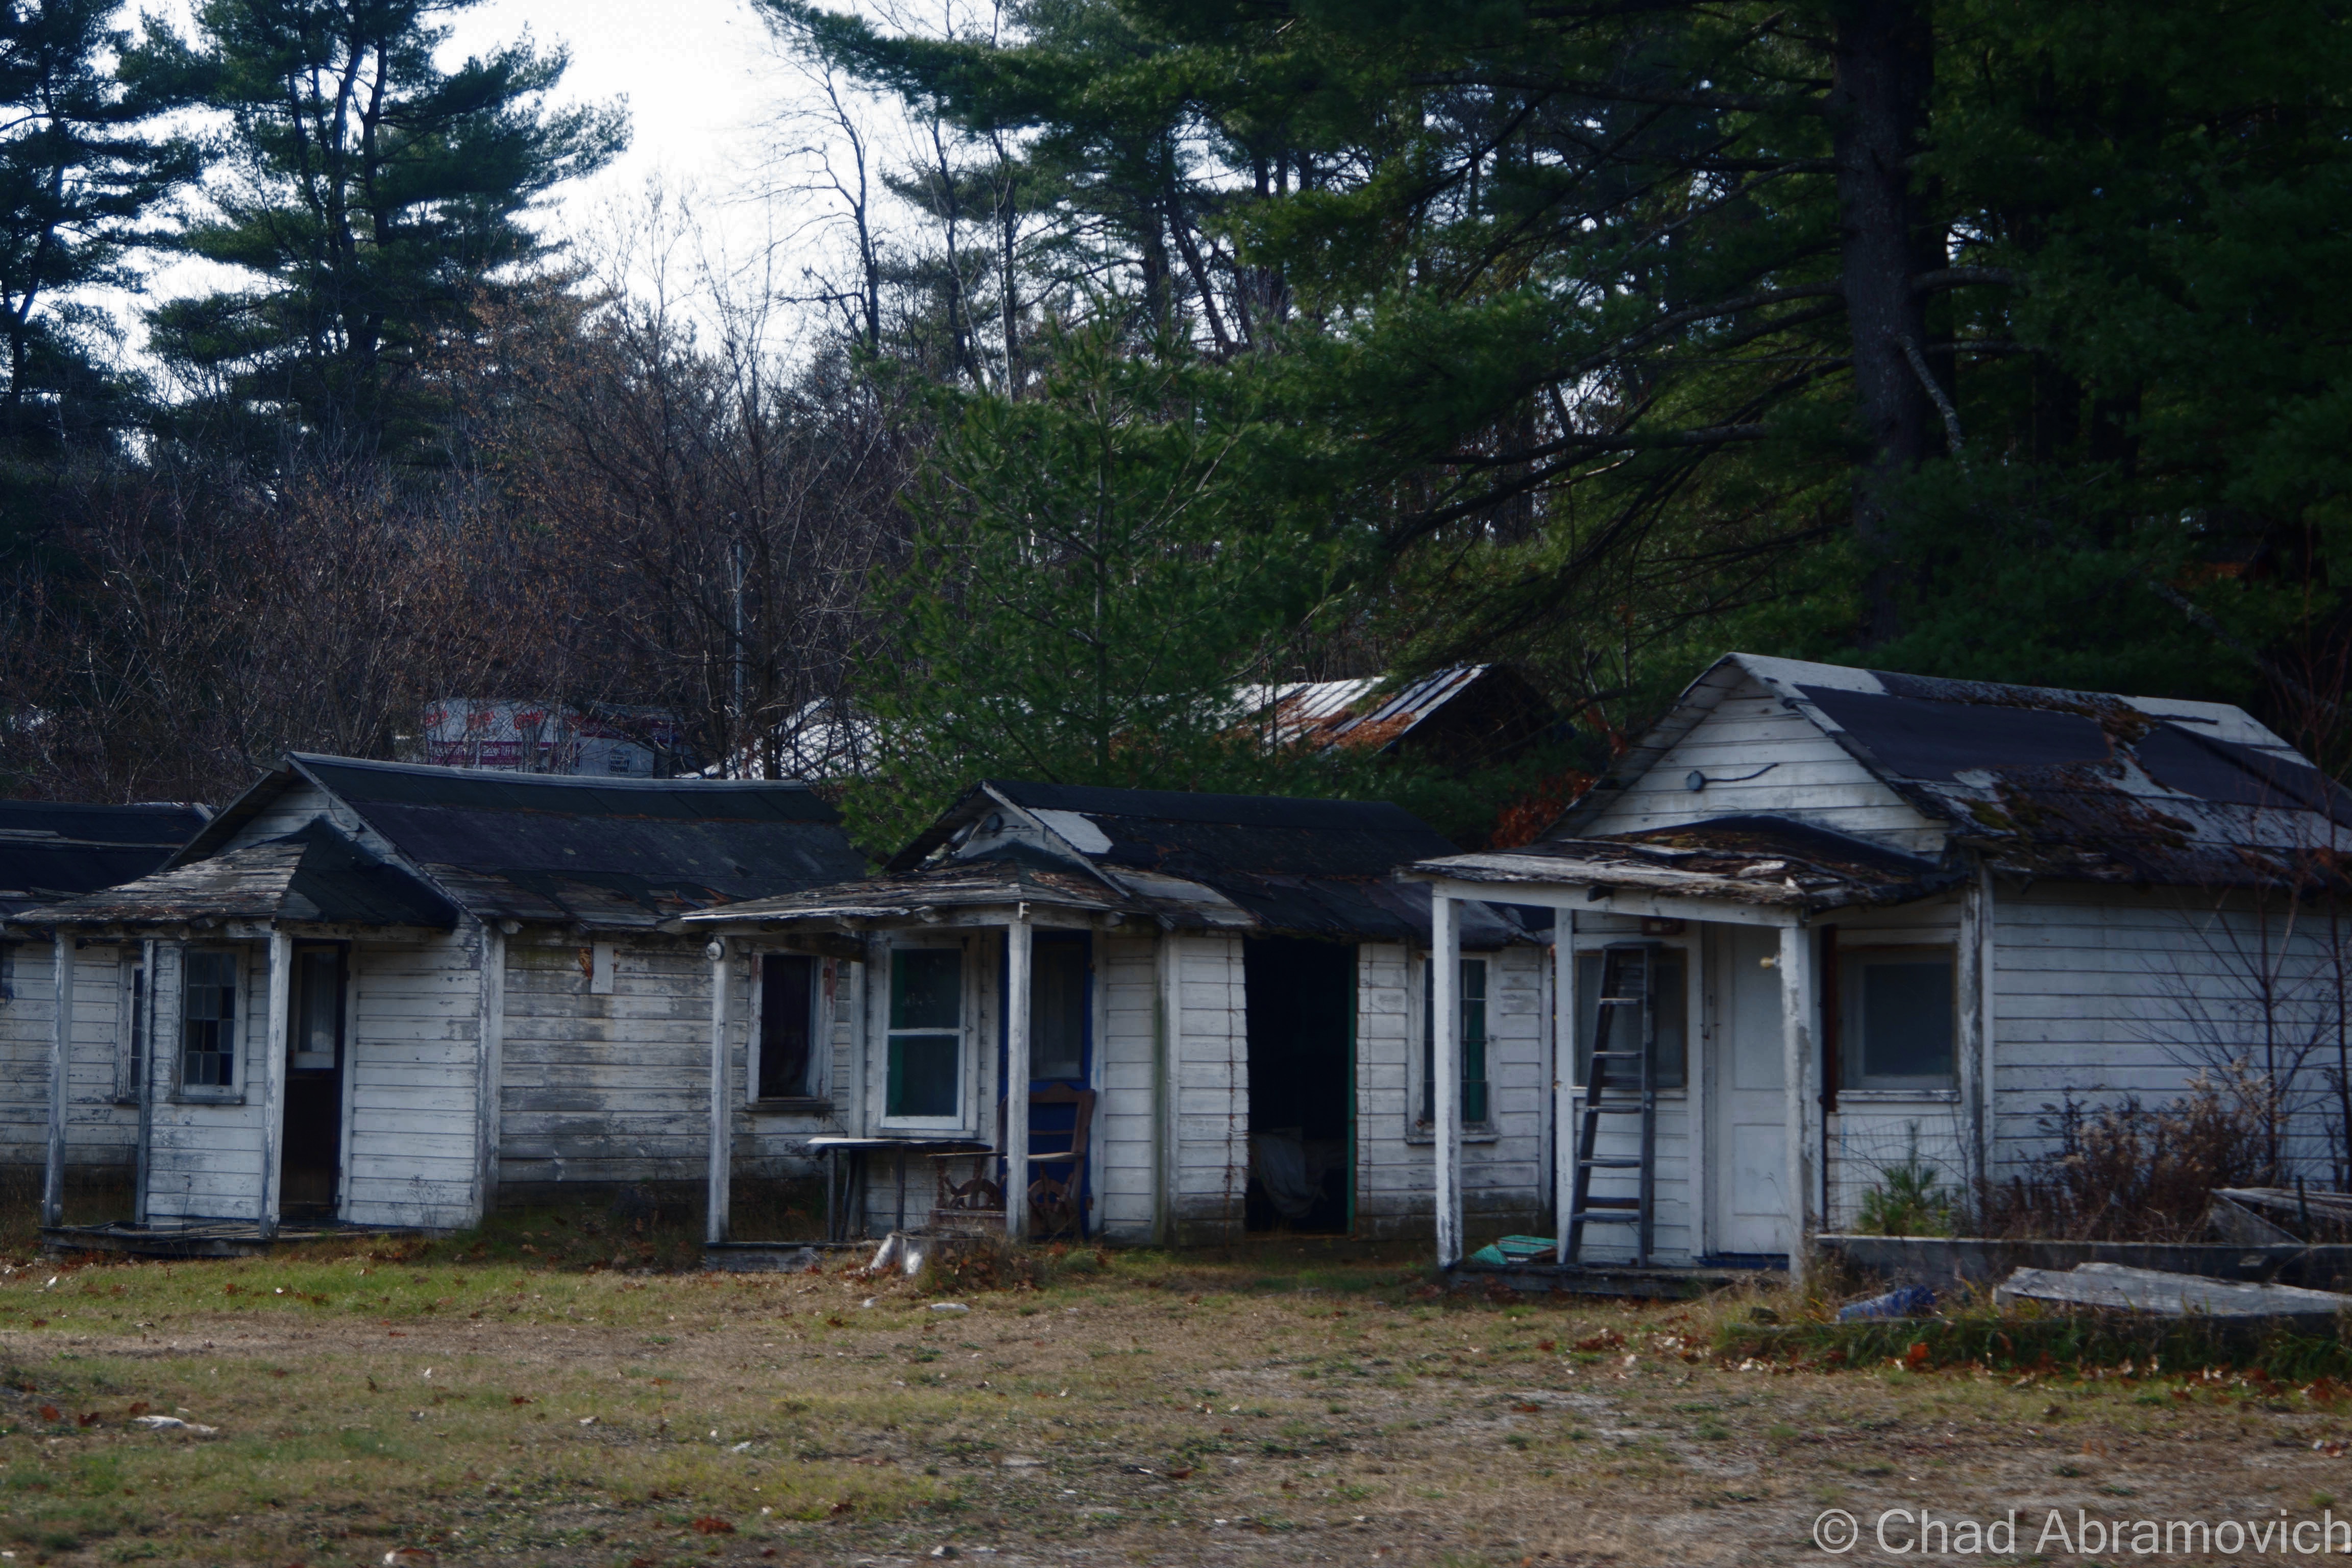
x=101 y=1130
x=28 y=1025
x=1212 y=1088
x=204 y=1157
x=770 y=1143
x=1395 y=1175
x=1126 y=1142
x=2104 y=993
x=414 y=1057
x=1502 y=1180
x=609 y=1088
x=294 y=808
x=1813 y=780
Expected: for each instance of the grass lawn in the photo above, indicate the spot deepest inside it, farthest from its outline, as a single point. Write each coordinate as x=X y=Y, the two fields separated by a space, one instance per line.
x=465 y=1403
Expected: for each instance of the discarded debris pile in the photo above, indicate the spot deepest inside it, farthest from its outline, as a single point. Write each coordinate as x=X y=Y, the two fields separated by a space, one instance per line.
x=2156 y=1293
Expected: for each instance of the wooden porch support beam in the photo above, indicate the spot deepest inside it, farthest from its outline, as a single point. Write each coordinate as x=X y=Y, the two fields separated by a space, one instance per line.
x=53 y=1176
x=489 y=1068
x=275 y=1032
x=1167 y=1014
x=718 y=1208
x=1017 y=947
x=1445 y=1019
x=1968 y=979
x=149 y=954
x=1564 y=1073
x=1800 y=1070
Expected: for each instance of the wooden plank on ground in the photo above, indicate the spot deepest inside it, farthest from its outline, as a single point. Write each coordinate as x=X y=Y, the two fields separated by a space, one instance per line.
x=2152 y=1291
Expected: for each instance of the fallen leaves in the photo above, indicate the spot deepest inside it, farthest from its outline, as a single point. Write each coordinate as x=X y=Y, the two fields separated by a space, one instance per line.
x=713 y=1525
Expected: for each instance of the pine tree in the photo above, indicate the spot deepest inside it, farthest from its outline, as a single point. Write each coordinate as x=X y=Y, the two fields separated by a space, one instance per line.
x=82 y=170
x=369 y=193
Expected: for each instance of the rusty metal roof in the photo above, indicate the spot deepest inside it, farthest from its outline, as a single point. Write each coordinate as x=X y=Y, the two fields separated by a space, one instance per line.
x=1352 y=712
x=316 y=875
x=55 y=849
x=2050 y=782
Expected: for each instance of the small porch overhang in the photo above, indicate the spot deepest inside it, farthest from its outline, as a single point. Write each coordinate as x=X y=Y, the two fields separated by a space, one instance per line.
x=1753 y=870
x=315 y=880
x=1018 y=891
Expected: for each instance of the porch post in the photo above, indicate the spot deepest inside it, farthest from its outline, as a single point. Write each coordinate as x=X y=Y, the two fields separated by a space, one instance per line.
x=273 y=1077
x=1969 y=1050
x=720 y=1201
x=53 y=1178
x=489 y=1070
x=1445 y=1020
x=1016 y=1074
x=1800 y=1072
x=1167 y=1015
x=1563 y=1072
x=149 y=953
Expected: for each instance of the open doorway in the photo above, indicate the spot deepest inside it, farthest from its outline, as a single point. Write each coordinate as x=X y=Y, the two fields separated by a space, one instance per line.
x=1302 y=1084
x=311 y=1143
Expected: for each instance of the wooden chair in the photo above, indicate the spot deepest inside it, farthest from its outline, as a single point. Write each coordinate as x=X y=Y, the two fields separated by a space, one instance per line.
x=1057 y=1176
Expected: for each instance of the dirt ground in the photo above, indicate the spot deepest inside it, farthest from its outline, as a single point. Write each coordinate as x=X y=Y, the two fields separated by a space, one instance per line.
x=1275 y=1408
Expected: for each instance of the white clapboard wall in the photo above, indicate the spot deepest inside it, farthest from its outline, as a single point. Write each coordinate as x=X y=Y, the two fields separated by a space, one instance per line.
x=1811 y=778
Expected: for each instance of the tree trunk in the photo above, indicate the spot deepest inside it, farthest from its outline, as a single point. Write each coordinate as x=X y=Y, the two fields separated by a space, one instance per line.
x=1878 y=110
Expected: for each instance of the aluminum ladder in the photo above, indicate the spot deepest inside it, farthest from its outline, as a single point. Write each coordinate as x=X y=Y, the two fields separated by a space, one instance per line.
x=1625 y=1042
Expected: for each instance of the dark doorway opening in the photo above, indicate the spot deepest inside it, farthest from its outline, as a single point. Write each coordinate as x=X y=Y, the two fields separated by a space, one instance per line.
x=1302 y=1084
x=312 y=1140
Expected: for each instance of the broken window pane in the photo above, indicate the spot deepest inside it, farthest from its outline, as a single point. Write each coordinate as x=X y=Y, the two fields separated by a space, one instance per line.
x=787 y=1025
x=208 y=1016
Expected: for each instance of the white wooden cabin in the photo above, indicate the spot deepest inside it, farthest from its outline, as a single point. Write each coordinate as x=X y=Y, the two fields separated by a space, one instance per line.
x=52 y=850
x=1890 y=918
x=1239 y=982
x=393 y=994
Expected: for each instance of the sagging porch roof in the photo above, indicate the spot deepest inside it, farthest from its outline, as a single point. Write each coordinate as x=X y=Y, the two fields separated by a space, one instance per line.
x=314 y=876
x=1247 y=864
x=1000 y=881
x=1766 y=860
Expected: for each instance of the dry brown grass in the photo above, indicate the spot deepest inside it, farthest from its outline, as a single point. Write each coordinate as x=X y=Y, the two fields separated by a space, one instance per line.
x=1275 y=1407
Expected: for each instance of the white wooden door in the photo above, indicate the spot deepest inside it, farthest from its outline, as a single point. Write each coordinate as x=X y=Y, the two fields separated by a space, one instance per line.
x=1748 y=1139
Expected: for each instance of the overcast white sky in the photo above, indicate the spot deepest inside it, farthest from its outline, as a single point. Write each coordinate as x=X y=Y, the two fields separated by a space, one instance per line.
x=699 y=75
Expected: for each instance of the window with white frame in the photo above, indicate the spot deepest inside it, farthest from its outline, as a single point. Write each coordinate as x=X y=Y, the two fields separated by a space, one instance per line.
x=1670 y=1016
x=209 y=1015
x=1471 y=999
x=925 y=1075
x=1899 y=1020
x=789 y=1064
